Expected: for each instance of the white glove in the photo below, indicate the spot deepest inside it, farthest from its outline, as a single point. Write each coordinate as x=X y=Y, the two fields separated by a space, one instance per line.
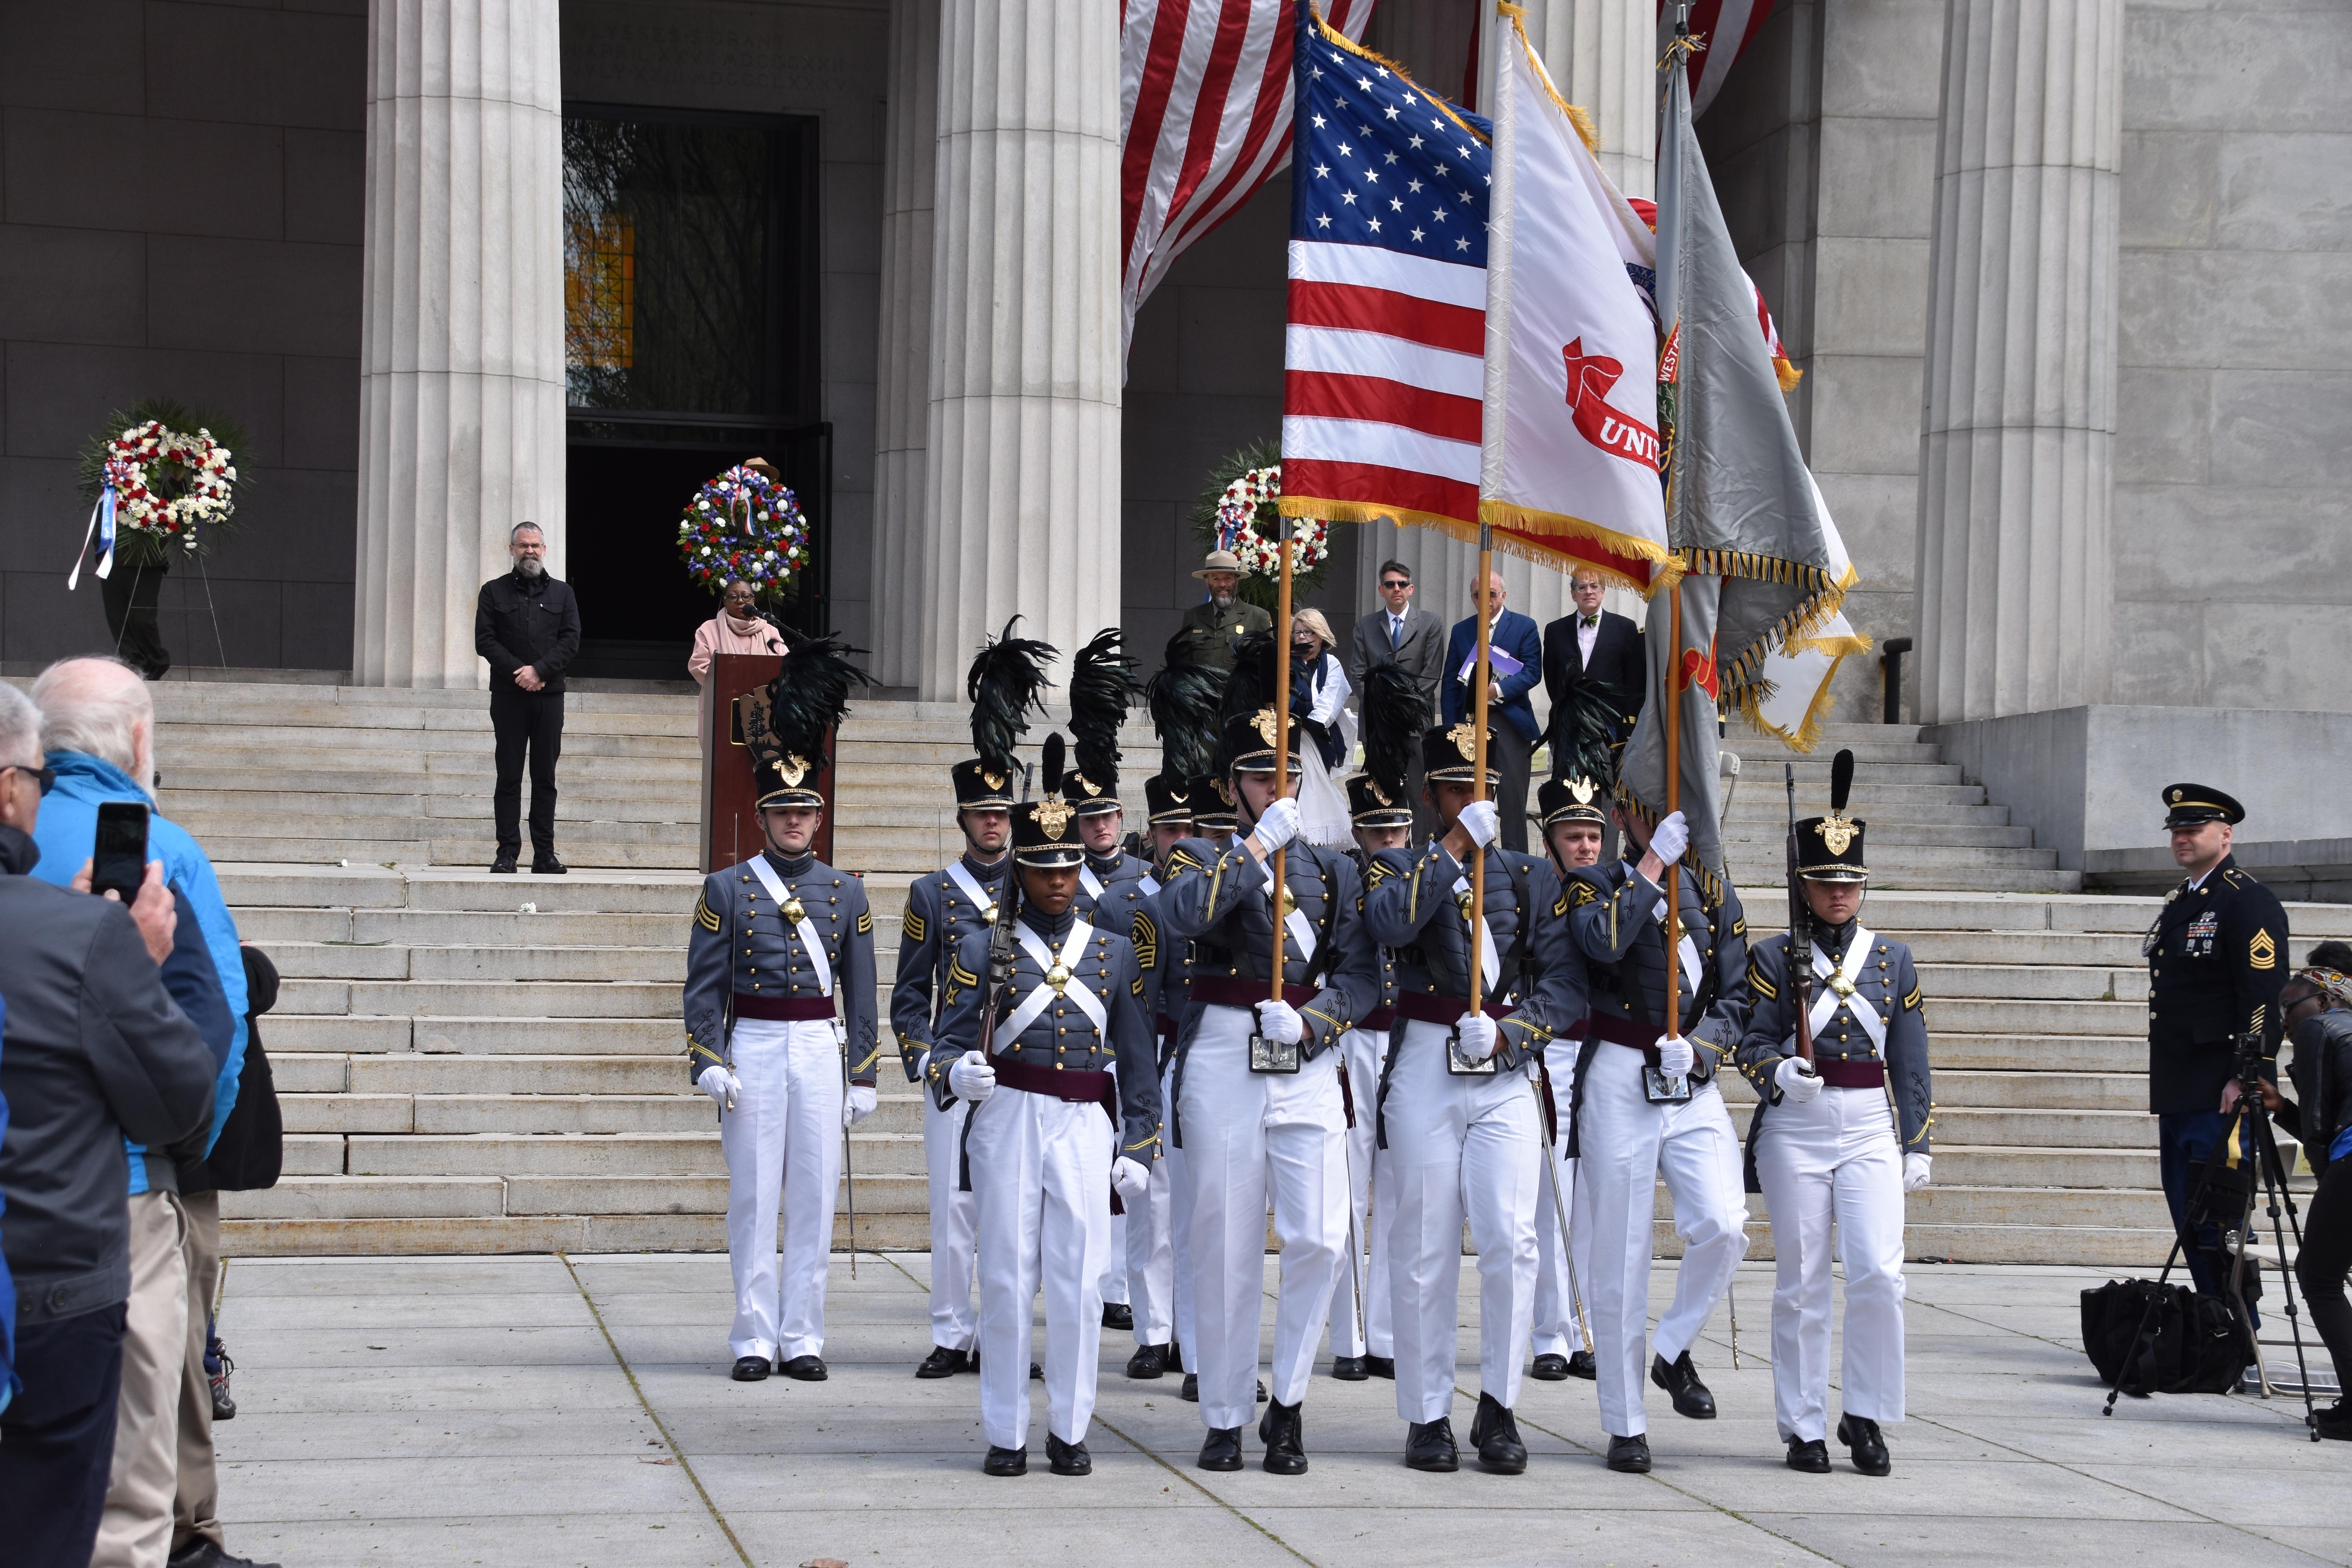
x=1478 y=1036
x=1277 y=827
x=1675 y=1058
x=723 y=1087
x=971 y=1077
x=1914 y=1171
x=1670 y=838
x=858 y=1106
x=1280 y=1021
x=1129 y=1179
x=1483 y=821
x=1795 y=1083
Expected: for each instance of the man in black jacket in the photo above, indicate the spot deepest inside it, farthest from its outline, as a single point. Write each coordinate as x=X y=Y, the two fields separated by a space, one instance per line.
x=95 y=1051
x=528 y=625
x=1593 y=650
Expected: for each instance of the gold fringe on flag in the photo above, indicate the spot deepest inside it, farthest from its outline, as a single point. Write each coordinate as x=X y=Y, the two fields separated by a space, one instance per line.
x=1339 y=41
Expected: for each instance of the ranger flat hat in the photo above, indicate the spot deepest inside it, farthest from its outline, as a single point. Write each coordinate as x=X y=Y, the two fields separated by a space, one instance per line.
x=2186 y=805
x=1219 y=561
x=1046 y=832
x=1571 y=800
x=1371 y=806
x=1830 y=848
x=1449 y=755
x=1249 y=742
x=1212 y=804
x=1167 y=800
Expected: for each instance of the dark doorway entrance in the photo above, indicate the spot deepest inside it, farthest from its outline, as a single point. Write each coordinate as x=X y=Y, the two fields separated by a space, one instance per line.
x=691 y=345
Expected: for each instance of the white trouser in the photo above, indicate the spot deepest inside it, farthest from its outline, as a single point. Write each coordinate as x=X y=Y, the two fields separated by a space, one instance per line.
x=1555 y=1331
x=1459 y=1147
x=1041 y=1185
x=1112 y=1285
x=1367 y=1164
x=1150 y=1255
x=1625 y=1144
x=952 y=1320
x=783 y=1141
x=1179 y=1229
x=1834 y=1161
x=1248 y=1136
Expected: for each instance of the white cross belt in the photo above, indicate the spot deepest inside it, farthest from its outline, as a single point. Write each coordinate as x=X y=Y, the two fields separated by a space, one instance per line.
x=1045 y=995
x=1826 y=1004
x=811 y=943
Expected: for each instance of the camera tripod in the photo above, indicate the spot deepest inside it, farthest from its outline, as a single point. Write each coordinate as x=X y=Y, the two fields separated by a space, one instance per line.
x=2248 y=1122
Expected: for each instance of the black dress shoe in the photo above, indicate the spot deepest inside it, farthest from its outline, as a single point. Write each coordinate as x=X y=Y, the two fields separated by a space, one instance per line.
x=1005 y=1462
x=1148 y=1361
x=1382 y=1366
x=942 y=1363
x=1496 y=1437
x=751 y=1369
x=1580 y=1364
x=503 y=865
x=1036 y=1372
x=1190 y=1393
x=1283 y=1430
x=1861 y=1436
x=1630 y=1455
x=804 y=1369
x=548 y=866
x=1069 y=1459
x=1550 y=1369
x=1222 y=1449
x=2334 y=1421
x=1809 y=1455
x=1429 y=1446
x=1348 y=1368
x=1261 y=1391
x=200 y=1553
x=1118 y=1315
x=1679 y=1378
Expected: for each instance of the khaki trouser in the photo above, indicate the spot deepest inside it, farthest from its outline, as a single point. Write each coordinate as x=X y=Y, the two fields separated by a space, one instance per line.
x=135 y=1531
x=199 y=1489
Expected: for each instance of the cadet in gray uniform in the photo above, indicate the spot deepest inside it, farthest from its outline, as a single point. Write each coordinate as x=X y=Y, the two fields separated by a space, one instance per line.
x=1052 y=1134
x=780 y=1025
x=1841 y=1143
x=1153 y=1276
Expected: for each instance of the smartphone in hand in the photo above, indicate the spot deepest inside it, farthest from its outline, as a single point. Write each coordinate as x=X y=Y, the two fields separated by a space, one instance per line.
x=120 y=859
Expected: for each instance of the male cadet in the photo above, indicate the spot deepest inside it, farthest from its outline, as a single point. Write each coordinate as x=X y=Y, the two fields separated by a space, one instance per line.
x=1258 y=1106
x=1159 y=1296
x=780 y=1025
x=941 y=910
x=1570 y=815
x=1051 y=1132
x=1841 y=1143
x=2215 y=962
x=1646 y=1105
x=1459 y=1106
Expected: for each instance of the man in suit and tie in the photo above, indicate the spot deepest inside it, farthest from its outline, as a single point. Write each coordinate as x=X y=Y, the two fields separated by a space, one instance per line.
x=1397 y=633
x=1590 y=651
x=1518 y=654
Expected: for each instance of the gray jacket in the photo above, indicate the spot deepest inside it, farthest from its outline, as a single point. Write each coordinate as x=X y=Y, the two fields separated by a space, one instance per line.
x=95 y=1051
x=1422 y=652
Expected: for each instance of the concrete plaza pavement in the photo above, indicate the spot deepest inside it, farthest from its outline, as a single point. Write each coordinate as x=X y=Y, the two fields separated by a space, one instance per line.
x=547 y=1411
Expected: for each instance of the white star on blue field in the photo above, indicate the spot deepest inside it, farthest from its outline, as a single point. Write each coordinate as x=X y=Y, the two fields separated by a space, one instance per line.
x=1377 y=164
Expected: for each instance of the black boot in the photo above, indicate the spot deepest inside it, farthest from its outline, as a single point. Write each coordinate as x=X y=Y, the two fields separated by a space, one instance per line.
x=1261 y=1391
x=1496 y=1437
x=1148 y=1361
x=1118 y=1315
x=942 y=1363
x=1222 y=1449
x=1630 y=1455
x=1429 y=1446
x=1283 y=1430
x=1190 y=1393
x=1550 y=1369
x=1069 y=1459
x=1382 y=1366
x=1679 y=1378
x=503 y=863
x=1809 y=1455
x=547 y=865
x=1580 y=1364
x=804 y=1369
x=1861 y=1436
x=1005 y=1462
x=1348 y=1368
x=751 y=1369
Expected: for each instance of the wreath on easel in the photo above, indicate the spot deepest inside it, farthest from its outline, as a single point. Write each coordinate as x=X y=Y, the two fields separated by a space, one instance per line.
x=172 y=476
x=1237 y=512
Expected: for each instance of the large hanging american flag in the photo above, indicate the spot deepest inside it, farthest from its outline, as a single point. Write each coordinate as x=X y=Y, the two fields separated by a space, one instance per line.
x=1204 y=101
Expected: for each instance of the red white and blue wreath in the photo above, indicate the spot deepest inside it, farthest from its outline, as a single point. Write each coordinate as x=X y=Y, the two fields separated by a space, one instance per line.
x=1249 y=525
x=744 y=524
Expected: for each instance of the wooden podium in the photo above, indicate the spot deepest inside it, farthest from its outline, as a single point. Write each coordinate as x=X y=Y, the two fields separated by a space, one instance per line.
x=731 y=824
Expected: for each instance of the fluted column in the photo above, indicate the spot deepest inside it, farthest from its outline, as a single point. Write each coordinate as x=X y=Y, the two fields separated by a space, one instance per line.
x=461 y=343
x=2015 y=584
x=1603 y=56
x=1023 y=462
x=902 y=536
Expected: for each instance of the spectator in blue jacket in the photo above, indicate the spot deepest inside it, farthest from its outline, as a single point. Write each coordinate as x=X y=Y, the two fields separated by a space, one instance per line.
x=1518 y=654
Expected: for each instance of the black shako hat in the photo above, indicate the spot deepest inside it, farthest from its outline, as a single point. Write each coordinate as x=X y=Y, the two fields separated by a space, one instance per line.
x=1571 y=800
x=1006 y=677
x=1830 y=848
x=1167 y=800
x=2186 y=805
x=1370 y=804
x=1449 y=754
x=1044 y=833
x=1249 y=742
x=1212 y=804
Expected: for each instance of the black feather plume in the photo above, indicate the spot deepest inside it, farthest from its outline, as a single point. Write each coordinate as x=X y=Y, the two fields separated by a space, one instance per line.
x=1004 y=683
x=807 y=698
x=1102 y=688
x=1394 y=716
x=1840 y=781
x=1588 y=732
x=1049 y=771
x=1184 y=698
x=1251 y=686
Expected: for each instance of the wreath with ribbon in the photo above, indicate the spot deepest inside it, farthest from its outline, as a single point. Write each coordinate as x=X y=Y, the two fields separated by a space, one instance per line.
x=164 y=485
x=1237 y=513
x=745 y=523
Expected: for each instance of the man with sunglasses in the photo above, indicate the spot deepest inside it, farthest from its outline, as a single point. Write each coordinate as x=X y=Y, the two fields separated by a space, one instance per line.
x=1399 y=634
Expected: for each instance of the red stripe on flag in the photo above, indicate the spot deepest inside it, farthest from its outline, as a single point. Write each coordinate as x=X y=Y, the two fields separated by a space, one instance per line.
x=1370 y=485
x=1210 y=112
x=1569 y=551
x=1320 y=396
x=1272 y=102
x=1408 y=316
x=1150 y=112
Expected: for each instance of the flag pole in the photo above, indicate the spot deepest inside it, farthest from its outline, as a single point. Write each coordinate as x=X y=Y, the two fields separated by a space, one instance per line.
x=1482 y=678
x=1673 y=803
x=1281 y=740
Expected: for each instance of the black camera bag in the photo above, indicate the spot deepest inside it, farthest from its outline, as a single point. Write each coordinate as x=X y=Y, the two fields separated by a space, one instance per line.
x=2193 y=1344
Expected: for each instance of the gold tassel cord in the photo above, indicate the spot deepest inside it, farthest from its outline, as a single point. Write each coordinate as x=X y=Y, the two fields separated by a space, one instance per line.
x=1576 y=117
x=1662 y=572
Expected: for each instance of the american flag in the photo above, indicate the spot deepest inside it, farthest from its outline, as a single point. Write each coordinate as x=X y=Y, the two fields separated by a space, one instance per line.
x=1204 y=94
x=1728 y=27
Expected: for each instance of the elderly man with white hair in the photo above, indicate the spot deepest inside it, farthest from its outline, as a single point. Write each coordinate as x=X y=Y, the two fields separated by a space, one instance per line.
x=98 y=728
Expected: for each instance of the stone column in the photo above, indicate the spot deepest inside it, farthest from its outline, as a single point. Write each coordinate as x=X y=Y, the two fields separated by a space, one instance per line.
x=1602 y=56
x=461 y=344
x=2014 y=580
x=1023 y=462
x=902 y=537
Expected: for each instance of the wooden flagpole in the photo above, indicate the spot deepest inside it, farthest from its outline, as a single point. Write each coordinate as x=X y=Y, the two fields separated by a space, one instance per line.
x=1673 y=803
x=1482 y=677
x=1281 y=740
